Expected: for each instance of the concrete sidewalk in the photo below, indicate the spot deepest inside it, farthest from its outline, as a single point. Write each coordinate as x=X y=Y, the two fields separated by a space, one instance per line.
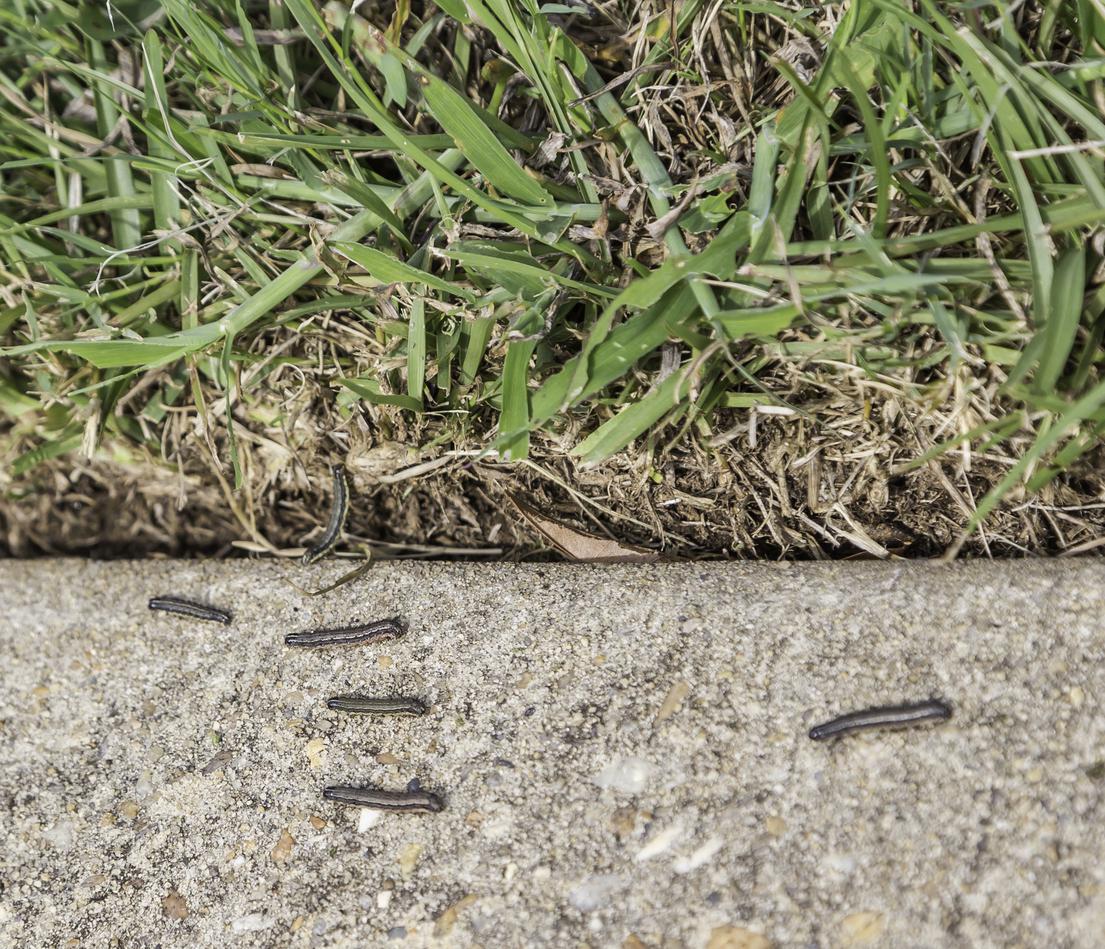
x=622 y=751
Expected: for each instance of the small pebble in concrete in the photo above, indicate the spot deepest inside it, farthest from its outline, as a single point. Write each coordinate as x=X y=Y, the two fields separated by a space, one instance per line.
x=700 y=857
x=630 y=775
x=251 y=923
x=596 y=891
x=661 y=842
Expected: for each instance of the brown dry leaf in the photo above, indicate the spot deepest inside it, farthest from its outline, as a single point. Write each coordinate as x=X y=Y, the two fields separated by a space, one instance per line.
x=368 y=464
x=408 y=858
x=861 y=929
x=283 y=847
x=174 y=905
x=580 y=545
x=316 y=749
x=447 y=920
x=737 y=937
x=674 y=699
x=624 y=821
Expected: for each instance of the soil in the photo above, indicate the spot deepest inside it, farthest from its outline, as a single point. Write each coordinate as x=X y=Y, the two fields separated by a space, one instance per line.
x=802 y=491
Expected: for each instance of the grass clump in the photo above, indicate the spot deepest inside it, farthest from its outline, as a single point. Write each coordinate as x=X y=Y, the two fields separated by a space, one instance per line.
x=739 y=276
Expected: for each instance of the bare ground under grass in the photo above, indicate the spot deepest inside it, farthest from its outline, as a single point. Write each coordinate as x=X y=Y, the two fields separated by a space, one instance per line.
x=837 y=479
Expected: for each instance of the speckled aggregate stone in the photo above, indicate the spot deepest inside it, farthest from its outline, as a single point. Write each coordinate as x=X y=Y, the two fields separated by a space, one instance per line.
x=622 y=751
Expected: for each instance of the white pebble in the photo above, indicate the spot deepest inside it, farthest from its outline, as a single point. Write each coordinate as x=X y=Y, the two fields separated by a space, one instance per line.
x=842 y=863
x=661 y=842
x=593 y=892
x=60 y=836
x=383 y=899
x=702 y=855
x=252 y=923
x=368 y=819
x=625 y=774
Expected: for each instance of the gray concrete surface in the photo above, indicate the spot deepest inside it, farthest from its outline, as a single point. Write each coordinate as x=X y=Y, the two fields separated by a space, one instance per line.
x=623 y=753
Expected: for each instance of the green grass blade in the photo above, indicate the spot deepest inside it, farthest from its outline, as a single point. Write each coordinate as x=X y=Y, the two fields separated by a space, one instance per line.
x=1064 y=314
x=513 y=441
x=1063 y=426
x=388 y=269
x=416 y=350
x=454 y=114
x=634 y=420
